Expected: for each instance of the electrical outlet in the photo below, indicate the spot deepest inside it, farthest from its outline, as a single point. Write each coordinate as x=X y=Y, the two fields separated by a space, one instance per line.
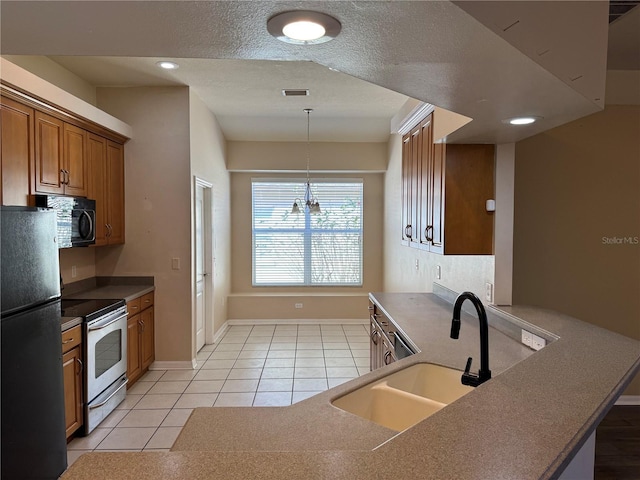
x=488 y=292
x=438 y=272
x=175 y=263
x=527 y=338
x=537 y=343
x=298 y=305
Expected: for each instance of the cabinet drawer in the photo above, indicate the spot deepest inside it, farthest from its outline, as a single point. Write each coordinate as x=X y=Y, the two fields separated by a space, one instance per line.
x=71 y=338
x=146 y=300
x=133 y=307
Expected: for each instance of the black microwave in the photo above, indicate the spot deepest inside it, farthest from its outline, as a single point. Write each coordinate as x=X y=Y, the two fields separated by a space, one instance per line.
x=76 y=219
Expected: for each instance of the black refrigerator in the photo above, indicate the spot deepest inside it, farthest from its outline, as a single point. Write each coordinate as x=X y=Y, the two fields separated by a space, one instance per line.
x=33 y=443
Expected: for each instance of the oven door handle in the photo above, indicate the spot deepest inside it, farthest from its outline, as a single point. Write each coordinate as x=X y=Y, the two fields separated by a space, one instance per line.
x=100 y=327
x=92 y=407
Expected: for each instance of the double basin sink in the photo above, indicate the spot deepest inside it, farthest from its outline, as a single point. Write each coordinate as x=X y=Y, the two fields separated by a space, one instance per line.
x=406 y=397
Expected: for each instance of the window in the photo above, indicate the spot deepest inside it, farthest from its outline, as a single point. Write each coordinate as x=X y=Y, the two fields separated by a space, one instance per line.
x=307 y=249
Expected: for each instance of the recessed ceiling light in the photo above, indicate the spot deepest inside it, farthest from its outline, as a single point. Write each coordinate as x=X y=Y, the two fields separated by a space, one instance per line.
x=303 y=27
x=521 y=120
x=167 y=65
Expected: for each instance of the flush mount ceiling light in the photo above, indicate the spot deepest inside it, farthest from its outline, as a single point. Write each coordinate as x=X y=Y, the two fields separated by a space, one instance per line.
x=303 y=27
x=521 y=120
x=167 y=65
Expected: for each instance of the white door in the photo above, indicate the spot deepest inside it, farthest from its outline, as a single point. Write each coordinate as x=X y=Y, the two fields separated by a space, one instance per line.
x=202 y=255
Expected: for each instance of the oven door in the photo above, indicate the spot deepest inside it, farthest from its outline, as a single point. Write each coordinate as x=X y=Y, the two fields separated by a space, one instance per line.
x=106 y=351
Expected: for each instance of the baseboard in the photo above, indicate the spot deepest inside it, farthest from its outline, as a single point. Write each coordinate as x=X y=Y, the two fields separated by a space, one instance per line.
x=221 y=331
x=297 y=321
x=173 y=365
x=628 y=400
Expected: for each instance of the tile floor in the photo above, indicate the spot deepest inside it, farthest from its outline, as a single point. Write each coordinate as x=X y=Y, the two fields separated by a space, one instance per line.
x=261 y=365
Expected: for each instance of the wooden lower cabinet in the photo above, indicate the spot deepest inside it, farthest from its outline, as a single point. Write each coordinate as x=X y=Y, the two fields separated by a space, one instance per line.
x=140 y=337
x=72 y=373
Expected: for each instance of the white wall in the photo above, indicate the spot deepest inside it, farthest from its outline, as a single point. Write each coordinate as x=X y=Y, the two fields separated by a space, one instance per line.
x=158 y=207
x=459 y=272
x=208 y=155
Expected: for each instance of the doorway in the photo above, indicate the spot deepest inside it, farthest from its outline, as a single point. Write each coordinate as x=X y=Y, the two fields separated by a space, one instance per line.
x=203 y=271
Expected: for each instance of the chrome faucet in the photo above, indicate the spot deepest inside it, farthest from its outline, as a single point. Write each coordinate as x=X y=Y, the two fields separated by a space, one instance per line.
x=484 y=373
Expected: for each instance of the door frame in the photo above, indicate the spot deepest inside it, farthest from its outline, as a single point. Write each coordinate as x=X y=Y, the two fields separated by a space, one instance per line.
x=207 y=195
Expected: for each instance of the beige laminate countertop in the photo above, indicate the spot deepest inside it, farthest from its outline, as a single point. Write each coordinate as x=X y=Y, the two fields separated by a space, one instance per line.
x=126 y=292
x=526 y=423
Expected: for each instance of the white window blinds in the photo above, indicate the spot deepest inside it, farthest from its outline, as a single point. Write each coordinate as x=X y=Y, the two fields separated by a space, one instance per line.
x=307 y=249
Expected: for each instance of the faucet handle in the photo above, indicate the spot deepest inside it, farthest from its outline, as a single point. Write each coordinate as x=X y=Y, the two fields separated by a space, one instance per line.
x=468 y=367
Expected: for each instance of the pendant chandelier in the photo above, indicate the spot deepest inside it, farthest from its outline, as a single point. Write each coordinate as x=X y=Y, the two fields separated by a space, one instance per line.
x=311 y=204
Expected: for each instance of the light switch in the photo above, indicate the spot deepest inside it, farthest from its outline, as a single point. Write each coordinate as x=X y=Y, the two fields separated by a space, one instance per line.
x=175 y=263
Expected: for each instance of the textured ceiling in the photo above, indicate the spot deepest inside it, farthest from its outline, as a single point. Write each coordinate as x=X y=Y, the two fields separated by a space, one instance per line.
x=485 y=60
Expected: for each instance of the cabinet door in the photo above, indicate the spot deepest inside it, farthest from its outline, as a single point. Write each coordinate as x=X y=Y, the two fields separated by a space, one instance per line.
x=74 y=161
x=425 y=183
x=134 y=363
x=72 y=374
x=406 y=189
x=438 y=196
x=97 y=183
x=415 y=164
x=148 y=339
x=115 y=193
x=49 y=134
x=16 y=152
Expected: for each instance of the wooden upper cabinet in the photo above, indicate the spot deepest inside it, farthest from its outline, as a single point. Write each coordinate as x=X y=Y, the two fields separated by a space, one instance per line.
x=60 y=158
x=115 y=192
x=49 y=139
x=444 y=194
x=97 y=183
x=16 y=151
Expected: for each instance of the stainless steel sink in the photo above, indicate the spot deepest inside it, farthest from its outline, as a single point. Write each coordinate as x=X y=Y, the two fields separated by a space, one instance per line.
x=406 y=397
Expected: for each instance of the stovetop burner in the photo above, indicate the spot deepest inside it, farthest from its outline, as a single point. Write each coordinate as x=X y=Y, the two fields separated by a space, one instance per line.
x=89 y=309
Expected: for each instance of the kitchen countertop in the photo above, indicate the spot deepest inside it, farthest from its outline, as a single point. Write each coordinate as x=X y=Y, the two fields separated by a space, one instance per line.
x=127 y=292
x=67 y=323
x=527 y=422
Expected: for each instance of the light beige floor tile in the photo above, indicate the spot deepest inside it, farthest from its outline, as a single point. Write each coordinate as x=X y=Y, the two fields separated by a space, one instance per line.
x=152 y=402
x=334 y=382
x=249 y=363
x=284 y=339
x=306 y=353
x=164 y=437
x=308 y=329
x=214 y=374
x=362 y=361
x=244 y=373
x=286 y=328
x=144 y=418
x=233 y=339
x=164 y=450
x=140 y=388
x=275 y=385
x=228 y=347
x=309 y=372
x=216 y=355
x=299 y=396
x=363 y=370
x=178 y=375
x=272 y=399
x=329 y=353
x=257 y=340
x=356 y=328
x=359 y=345
x=202 y=356
x=234 y=400
x=282 y=346
x=282 y=372
x=177 y=417
x=114 y=418
x=263 y=329
x=334 y=339
x=331 y=329
x=340 y=362
x=249 y=354
x=240 y=386
x=335 y=345
x=217 y=363
x=304 y=345
x=205 y=386
x=361 y=353
x=342 y=372
x=239 y=329
x=281 y=354
x=152 y=376
x=309 y=384
x=168 y=387
x=119 y=450
x=127 y=438
x=73 y=455
x=279 y=363
x=310 y=362
x=194 y=400
x=254 y=347
x=129 y=402
x=89 y=442
x=209 y=347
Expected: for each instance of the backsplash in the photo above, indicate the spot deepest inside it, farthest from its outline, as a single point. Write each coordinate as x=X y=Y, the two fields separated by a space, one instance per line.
x=82 y=258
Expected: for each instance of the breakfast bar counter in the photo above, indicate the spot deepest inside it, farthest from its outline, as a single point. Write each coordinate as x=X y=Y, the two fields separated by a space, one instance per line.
x=527 y=422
